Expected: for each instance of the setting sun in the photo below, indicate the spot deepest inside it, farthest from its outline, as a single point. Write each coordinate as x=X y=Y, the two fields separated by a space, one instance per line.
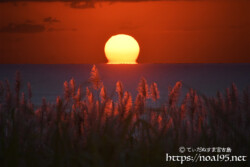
x=121 y=49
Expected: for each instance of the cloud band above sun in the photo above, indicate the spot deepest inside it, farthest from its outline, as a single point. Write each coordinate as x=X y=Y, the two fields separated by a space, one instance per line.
x=82 y=4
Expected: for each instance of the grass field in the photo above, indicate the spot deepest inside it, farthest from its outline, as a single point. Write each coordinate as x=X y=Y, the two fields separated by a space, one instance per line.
x=86 y=127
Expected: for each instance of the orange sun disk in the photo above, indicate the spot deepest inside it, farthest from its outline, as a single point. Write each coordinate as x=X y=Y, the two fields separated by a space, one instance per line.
x=122 y=49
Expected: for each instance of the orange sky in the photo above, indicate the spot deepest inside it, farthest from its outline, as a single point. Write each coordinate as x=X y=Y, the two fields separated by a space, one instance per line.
x=206 y=31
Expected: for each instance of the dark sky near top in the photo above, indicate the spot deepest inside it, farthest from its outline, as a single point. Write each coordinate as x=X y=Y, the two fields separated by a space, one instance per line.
x=75 y=31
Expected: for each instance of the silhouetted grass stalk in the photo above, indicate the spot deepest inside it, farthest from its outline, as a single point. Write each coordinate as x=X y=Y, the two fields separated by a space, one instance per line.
x=81 y=129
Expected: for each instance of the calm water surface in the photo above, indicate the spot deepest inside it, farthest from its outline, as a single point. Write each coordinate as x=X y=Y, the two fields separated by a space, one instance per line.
x=47 y=80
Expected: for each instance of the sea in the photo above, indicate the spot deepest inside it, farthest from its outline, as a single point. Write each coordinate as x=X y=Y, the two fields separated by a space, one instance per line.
x=207 y=79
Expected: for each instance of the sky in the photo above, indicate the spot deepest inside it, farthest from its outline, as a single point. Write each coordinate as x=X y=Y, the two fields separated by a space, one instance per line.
x=168 y=31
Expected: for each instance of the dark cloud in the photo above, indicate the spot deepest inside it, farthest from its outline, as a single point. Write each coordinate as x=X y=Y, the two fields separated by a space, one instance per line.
x=15 y=3
x=23 y=28
x=30 y=26
x=50 y=20
x=55 y=29
x=82 y=4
